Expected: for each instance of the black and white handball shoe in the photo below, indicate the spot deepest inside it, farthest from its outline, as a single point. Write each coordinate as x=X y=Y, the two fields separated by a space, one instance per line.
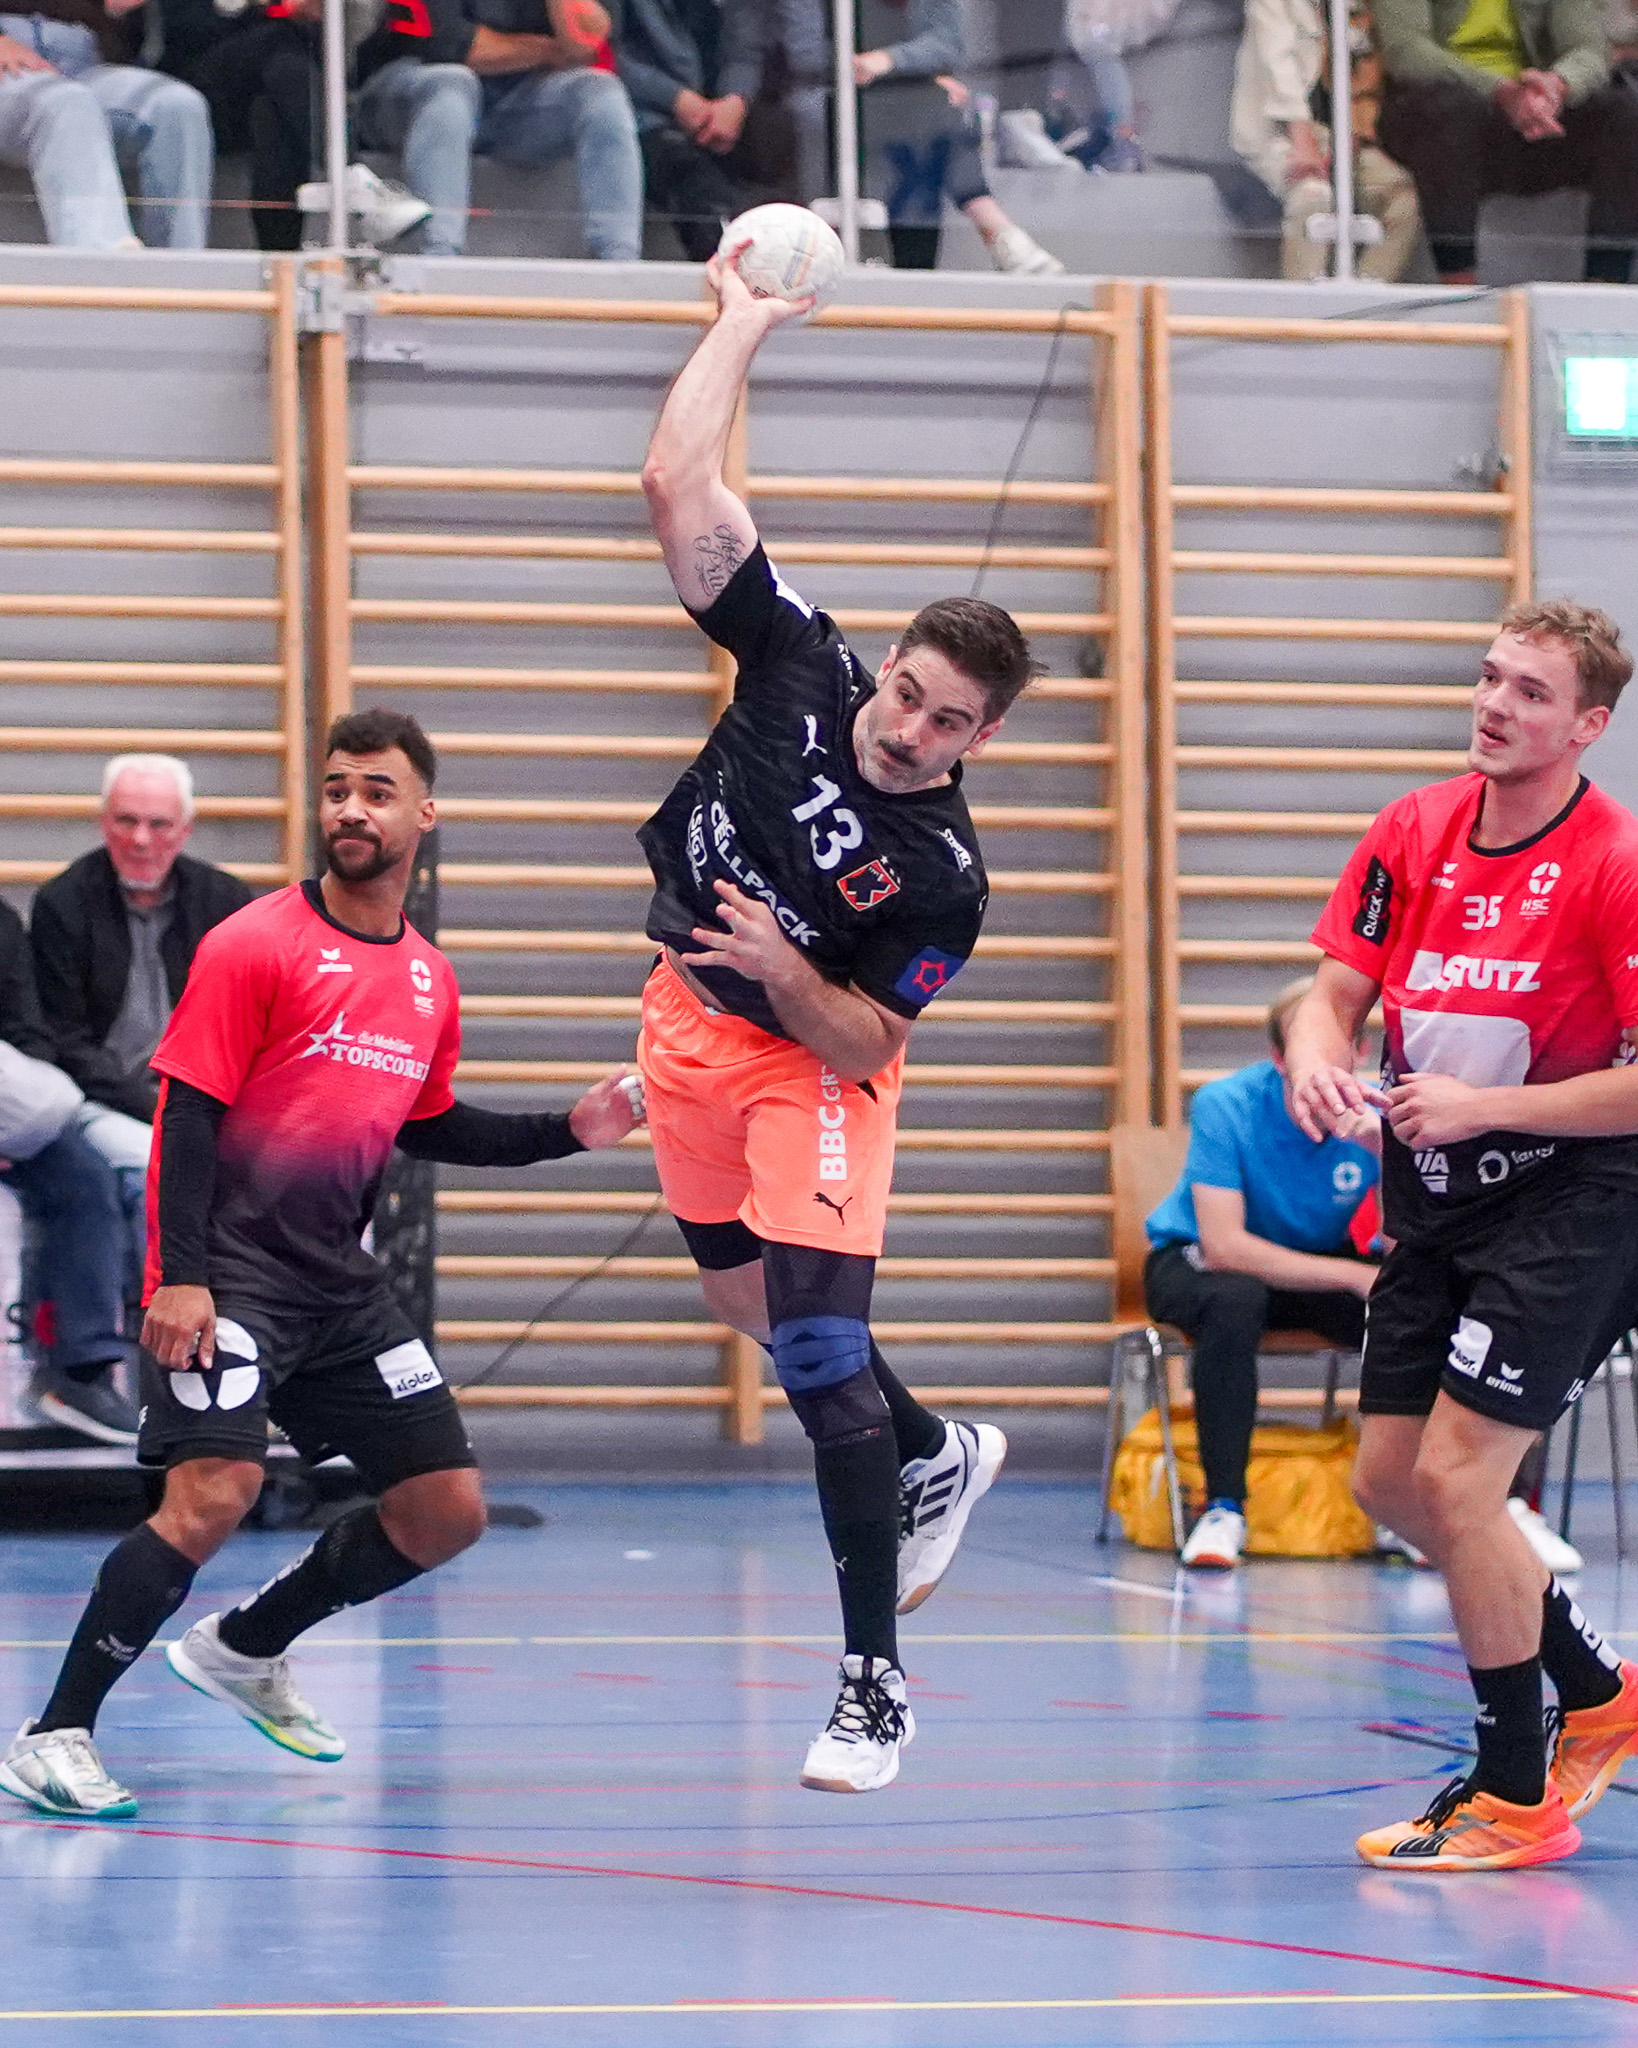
x=936 y=1495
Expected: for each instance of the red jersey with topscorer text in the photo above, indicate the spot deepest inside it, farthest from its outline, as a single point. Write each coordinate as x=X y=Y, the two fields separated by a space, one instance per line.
x=1499 y=966
x=323 y=1043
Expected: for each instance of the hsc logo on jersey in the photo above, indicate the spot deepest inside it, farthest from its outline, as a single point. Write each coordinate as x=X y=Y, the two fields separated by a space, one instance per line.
x=1375 y=903
x=869 y=885
x=926 y=975
x=1539 y=888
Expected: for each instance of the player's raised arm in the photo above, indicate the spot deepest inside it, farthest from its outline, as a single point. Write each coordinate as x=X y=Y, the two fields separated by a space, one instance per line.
x=704 y=531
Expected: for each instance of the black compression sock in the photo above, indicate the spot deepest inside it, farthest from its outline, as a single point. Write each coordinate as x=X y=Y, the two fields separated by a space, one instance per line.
x=353 y=1561
x=143 y=1581
x=917 y=1431
x=1584 y=1669
x=859 y=1498
x=1512 y=1742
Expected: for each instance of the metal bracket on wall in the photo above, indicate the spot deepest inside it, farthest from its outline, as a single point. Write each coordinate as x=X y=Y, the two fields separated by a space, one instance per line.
x=332 y=302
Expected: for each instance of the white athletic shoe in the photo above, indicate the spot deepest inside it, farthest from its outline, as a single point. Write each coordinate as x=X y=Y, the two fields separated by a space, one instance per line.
x=1543 y=1539
x=936 y=1495
x=858 y=1750
x=1389 y=1543
x=1216 y=1540
x=61 y=1772
x=384 y=210
x=260 y=1688
x=1016 y=251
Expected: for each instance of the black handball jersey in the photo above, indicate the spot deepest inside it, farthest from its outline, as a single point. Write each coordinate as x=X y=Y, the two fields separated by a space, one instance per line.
x=323 y=1043
x=885 y=892
x=1502 y=966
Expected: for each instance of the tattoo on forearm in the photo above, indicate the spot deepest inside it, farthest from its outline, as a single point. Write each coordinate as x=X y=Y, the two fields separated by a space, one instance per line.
x=716 y=557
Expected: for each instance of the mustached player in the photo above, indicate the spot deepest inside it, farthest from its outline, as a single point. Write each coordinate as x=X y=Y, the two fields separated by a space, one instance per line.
x=1497 y=915
x=817 y=883
x=317 y=1030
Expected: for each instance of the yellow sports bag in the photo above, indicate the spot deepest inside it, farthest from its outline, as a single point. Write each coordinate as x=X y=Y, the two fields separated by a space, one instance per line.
x=1298 y=1502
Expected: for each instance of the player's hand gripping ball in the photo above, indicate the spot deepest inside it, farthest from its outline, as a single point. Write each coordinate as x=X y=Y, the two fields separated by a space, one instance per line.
x=785 y=252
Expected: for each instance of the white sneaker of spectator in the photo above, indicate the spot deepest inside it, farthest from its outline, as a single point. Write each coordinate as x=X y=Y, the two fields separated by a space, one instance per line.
x=1017 y=252
x=384 y=210
x=1023 y=143
x=1545 y=1541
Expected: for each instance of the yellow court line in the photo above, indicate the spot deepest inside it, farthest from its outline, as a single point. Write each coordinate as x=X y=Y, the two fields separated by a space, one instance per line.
x=716 y=2008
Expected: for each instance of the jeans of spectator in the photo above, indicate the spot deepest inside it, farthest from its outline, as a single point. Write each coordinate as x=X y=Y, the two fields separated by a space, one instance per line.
x=930 y=151
x=124 y=1142
x=1460 y=147
x=260 y=82
x=1111 y=81
x=439 y=115
x=71 y=1201
x=1224 y=1316
x=691 y=188
x=74 y=126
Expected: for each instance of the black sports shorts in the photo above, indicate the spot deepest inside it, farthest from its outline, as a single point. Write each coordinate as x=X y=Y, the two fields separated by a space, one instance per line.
x=356 y=1382
x=1511 y=1319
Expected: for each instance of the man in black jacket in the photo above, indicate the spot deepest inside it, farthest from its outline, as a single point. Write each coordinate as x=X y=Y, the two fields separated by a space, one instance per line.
x=71 y=1202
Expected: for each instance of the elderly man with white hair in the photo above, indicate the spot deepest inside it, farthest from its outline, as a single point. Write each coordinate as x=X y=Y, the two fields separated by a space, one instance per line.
x=114 y=935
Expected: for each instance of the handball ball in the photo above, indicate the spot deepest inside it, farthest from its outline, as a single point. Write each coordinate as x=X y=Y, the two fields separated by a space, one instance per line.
x=793 y=254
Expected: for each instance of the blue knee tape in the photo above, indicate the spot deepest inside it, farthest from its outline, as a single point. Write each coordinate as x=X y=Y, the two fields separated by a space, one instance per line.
x=812 y=1352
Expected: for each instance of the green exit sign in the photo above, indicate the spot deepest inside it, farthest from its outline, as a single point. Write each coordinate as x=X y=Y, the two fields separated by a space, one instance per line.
x=1601 y=397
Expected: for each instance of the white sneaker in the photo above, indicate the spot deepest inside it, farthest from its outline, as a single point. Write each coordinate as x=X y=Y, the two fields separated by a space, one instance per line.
x=858 y=1750
x=1216 y=1540
x=260 y=1688
x=1543 y=1539
x=1389 y=1543
x=385 y=210
x=936 y=1495
x=1023 y=143
x=1017 y=252
x=61 y=1772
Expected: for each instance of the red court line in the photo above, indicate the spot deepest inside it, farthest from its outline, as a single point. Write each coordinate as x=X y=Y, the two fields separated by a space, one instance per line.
x=467 y=1858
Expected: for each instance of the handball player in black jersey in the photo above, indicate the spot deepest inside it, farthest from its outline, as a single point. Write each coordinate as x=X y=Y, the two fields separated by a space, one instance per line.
x=1497 y=917
x=817 y=882
x=317 y=1030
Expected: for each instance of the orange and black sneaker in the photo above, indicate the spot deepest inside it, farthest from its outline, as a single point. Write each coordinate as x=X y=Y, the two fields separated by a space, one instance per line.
x=1589 y=1745
x=1466 y=1829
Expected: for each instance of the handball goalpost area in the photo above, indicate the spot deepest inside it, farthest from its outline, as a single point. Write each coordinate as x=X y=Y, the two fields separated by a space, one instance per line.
x=452 y=520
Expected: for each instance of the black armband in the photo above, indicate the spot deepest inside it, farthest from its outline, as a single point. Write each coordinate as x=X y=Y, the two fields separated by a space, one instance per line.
x=187 y=1134
x=464 y=1136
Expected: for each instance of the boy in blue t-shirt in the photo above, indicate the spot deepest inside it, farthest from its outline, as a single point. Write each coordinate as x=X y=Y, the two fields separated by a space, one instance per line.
x=1254 y=1237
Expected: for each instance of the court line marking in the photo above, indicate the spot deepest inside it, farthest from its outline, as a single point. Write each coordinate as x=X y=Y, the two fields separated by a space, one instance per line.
x=323 y=1642
x=707 y=2007
x=489 y=1860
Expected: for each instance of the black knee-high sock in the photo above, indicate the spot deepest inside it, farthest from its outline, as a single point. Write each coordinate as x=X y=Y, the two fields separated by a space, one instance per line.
x=917 y=1431
x=1512 y=1741
x=858 y=1481
x=1585 y=1671
x=143 y=1581
x=353 y=1561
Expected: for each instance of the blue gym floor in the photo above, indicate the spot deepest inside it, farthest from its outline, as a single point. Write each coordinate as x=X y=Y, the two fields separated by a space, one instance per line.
x=570 y=1816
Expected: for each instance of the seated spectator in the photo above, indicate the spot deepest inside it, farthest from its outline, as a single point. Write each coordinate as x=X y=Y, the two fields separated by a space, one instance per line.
x=693 y=68
x=1282 y=69
x=71 y=113
x=1100 y=32
x=1509 y=96
x=114 y=935
x=1254 y=1237
x=922 y=117
x=71 y=1206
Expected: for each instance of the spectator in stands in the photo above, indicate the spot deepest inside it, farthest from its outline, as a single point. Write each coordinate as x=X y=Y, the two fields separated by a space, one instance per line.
x=921 y=115
x=1100 y=32
x=72 y=111
x=1254 y=1237
x=114 y=935
x=693 y=69
x=1509 y=96
x=1282 y=70
x=71 y=1204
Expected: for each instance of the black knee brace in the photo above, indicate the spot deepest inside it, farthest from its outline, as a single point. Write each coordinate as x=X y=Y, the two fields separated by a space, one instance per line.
x=818 y=1303
x=717 y=1247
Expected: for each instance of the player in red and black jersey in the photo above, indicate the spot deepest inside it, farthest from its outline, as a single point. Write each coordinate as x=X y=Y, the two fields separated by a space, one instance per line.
x=817 y=882
x=317 y=1030
x=1497 y=917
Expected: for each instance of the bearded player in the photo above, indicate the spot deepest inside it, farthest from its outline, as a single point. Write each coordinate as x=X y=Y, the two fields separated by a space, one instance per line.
x=817 y=882
x=1497 y=916
x=317 y=1030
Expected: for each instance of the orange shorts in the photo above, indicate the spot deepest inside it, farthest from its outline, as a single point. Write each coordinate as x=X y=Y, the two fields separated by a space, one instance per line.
x=755 y=1127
